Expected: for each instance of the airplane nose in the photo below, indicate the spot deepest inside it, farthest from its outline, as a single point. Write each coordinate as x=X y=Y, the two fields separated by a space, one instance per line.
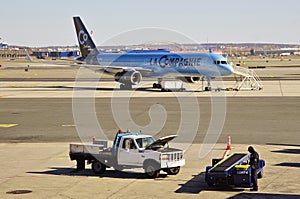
x=230 y=68
x=227 y=69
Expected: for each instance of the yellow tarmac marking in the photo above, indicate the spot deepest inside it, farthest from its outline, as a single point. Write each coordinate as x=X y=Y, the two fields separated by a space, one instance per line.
x=7 y=125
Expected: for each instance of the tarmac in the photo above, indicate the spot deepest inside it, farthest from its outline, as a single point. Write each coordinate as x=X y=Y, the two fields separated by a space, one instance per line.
x=37 y=126
x=249 y=120
x=45 y=169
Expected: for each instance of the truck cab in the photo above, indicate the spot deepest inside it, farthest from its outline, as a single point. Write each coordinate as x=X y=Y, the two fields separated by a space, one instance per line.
x=131 y=150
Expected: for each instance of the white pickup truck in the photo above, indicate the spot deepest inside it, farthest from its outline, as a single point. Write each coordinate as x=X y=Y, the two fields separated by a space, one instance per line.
x=130 y=150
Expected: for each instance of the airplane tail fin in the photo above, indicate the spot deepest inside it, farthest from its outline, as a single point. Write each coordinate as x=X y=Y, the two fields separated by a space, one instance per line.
x=86 y=44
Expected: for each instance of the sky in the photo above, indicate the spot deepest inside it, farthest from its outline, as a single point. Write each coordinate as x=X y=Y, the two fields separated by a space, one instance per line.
x=38 y=23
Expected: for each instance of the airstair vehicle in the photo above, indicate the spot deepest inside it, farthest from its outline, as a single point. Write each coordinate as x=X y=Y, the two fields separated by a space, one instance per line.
x=246 y=79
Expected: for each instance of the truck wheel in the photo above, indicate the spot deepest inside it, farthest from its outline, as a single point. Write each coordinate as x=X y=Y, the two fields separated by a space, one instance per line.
x=152 y=171
x=173 y=171
x=260 y=174
x=98 y=167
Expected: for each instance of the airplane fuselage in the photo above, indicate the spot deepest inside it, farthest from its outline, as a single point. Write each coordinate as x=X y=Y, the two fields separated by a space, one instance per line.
x=197 y=64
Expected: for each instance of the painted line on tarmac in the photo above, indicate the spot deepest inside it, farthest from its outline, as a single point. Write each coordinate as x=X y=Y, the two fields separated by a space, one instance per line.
x=7 y=125
x=68 y=125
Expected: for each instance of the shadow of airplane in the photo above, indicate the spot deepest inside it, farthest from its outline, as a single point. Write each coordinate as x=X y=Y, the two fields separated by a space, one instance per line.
x=65 y=88
x=277 y=144
x=288 y=151
x=288 y=164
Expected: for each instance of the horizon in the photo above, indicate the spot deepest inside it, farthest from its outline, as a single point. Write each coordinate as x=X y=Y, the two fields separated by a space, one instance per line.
x=117 y=45
x=30 y=24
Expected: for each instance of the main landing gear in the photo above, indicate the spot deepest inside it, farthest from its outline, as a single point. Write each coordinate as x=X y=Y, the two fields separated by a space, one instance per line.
x=126 y=86
x=208 y=87
x=158 y=84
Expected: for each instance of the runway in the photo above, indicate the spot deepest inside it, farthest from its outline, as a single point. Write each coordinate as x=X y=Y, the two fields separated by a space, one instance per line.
x=251 y=120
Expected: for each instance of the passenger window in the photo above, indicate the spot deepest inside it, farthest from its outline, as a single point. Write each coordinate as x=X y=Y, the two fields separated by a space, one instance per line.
x=128 y=144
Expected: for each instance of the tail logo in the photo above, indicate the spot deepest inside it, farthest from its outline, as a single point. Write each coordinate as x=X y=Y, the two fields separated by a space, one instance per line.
x=82 y=37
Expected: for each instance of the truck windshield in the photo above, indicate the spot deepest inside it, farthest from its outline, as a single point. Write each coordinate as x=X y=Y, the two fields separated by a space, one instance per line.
x=143 y=142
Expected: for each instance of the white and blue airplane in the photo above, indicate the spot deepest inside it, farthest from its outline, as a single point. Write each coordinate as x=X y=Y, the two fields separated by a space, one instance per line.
x=129 y=68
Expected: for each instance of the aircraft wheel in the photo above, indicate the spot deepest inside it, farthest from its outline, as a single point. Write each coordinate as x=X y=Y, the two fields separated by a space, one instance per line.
x=155 y=85
x=207 y=88
x=126 y=86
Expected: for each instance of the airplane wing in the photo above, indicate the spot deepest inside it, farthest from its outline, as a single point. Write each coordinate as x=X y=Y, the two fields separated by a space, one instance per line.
x=98 y=68
x=114 y=69
x=62 y=63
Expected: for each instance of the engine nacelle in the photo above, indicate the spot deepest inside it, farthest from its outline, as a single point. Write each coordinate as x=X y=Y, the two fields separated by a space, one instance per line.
x=128 y=77
x=190 y=79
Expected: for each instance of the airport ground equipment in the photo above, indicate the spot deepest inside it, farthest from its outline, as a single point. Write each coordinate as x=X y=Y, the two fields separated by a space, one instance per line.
x=246 y=79
x=172 y=86
x=130 y=150
x=233 y=170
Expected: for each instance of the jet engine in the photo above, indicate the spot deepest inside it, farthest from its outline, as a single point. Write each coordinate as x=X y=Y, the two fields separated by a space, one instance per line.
x=128 y=77
x=190 y=79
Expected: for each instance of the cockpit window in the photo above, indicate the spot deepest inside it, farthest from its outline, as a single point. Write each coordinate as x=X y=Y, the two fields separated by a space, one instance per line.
x=220 y=62
x=224 y=62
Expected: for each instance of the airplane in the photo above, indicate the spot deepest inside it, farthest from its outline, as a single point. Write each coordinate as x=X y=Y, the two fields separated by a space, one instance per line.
x=129 y=68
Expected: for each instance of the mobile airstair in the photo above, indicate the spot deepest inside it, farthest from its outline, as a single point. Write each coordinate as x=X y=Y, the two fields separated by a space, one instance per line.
x=246 y=79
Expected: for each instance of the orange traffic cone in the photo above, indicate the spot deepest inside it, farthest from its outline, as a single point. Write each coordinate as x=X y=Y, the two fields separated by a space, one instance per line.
x=228 y=142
